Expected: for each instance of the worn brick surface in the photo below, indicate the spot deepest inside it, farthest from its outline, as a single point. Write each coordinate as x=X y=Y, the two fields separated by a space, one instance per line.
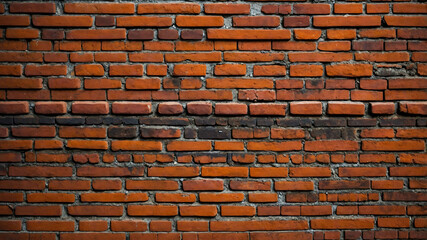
x=209 y=120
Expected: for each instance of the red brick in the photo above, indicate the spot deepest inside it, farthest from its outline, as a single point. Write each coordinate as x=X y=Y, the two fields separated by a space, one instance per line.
x=126 y=70
x=131 y=108
x=269 y=70
x=411 y=133
x=226 y=8
x=225 y=172
x=10 y=157
x=257 y=95
x=262 y=197
x=50 y=197
x=193 y=226
x=176 y=197
x=198 y=211
x=274 y=146
x=230 y=69
x=296 y=21
x=189 y=8
x=309 y=172
x=142 y=83
x=203 y=185
x=294 y=45
x=236 y=34
x=280 y=235
x=312 y=9
x=113 y=197
x=268 y=109
x=252 y=57
x=237 y=211
x=306 y=71
x=84 y=132
x=410 y=21
x=160 y=226
x=100 y=8
x=195 y=57
x=331 y=145
x=382 y=108
x=199 y=21
x=249 y=185
x=152 y=210
x=26 y=33
x=402 y=145
x=89 y=70
x=277 y=133
x=189 y=70
x=143 y=21
x=261 y=225
x=99 y=210
x=346 y=21
x=199 y=108
x=373 y=84
x=156 y=70
x=62 y=21
x=341 y=33
x=64 y=83
x=382 y=57
x=106 y=236
x=129 y=226
x=221 y=197
x=269 y=172
x=377 y=8
x=357 y=223
x=256 y=21
x=229 y=146
x=377 y=133
x=125 y=145
x=16 y=144
x=206 y=95
x=417 y=108
x=188 y=146
x=320 y=57
x=346 y=108
x=408 y=171
x=231 y=109
x=35 y=210
x=151 y=185
x=238 y=83
x=14 y=107
x=170 y=108
x=254 y=45
x=97 y=34
x=45 y=70
x=334 y=46
x=306 y=108
x=348 y=8
x=293 y=186
x=32 y=8
x=41 y=131
x=387 y=184
x=409 y=8
x=173 y=171
x=349 y=70
x=90 y=108
x=362 y=172
x=307 y=34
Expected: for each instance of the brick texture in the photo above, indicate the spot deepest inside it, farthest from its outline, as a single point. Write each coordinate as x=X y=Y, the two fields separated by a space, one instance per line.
x=209 y=120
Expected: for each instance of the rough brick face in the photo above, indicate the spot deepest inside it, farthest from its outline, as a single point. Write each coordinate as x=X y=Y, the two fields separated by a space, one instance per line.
x=208 y=120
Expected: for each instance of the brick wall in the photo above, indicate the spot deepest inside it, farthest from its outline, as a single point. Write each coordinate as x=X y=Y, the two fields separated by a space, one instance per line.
x=247 y=120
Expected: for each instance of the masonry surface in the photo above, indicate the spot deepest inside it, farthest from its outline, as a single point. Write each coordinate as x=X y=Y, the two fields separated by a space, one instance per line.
x=198 y=120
